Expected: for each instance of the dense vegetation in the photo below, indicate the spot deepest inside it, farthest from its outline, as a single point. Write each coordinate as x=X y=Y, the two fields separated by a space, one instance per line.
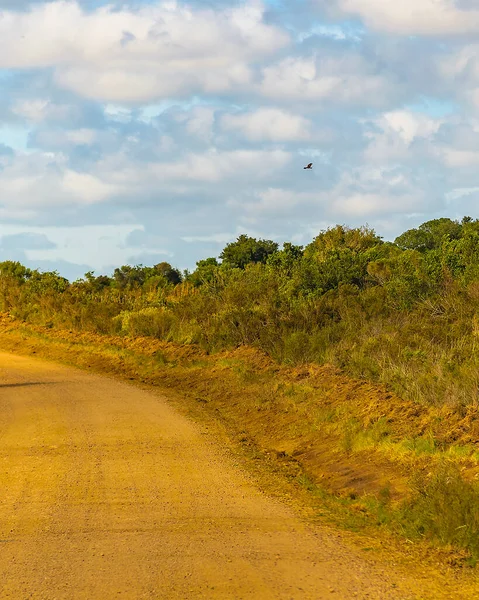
x=404 y=313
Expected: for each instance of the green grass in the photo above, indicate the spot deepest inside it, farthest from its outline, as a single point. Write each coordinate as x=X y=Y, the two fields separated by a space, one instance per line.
x=443 y=507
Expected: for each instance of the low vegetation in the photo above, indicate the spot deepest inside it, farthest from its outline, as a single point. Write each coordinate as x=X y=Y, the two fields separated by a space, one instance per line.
x=353 y=358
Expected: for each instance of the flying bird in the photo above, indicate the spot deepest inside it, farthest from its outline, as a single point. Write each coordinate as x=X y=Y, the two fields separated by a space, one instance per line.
x=310 y=166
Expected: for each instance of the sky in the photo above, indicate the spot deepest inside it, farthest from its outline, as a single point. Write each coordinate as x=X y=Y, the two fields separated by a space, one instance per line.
x=148 y=131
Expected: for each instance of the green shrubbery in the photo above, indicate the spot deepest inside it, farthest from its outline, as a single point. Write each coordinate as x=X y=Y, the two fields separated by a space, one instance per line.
x=444 y=508
x=404 y=313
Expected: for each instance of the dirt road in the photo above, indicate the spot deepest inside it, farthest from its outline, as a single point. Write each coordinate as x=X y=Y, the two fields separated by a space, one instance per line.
x=107 y=492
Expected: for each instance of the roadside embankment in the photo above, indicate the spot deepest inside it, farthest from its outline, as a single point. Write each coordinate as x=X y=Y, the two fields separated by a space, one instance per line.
x=374 y=459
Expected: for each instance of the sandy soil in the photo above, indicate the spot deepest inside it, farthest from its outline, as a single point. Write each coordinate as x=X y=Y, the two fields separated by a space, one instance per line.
x=106 y=492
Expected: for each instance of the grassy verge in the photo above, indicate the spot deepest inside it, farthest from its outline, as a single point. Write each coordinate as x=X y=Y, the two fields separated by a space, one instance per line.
x=370 y=460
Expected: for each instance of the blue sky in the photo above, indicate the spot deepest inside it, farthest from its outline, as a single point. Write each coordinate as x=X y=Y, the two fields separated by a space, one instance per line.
x=142 y=131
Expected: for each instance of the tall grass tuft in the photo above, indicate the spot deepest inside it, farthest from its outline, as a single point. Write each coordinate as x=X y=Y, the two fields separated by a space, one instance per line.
x=444 y=508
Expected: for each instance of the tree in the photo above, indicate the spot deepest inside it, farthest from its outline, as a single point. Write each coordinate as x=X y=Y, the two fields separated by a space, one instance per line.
x=429 y=235
x=357 y=240
x=284 y=260
x=171 y=274
x=127 y=277
x=96 y=283
x=48 y=282
x=247 y=250
x=339 y=255
x=15 y=270
x=205 y=272
x=403 y=275
x=12 y=277
x=461 y=256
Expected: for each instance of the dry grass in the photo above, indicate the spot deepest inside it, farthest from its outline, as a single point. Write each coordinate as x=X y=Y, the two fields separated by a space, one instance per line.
x=373 y=458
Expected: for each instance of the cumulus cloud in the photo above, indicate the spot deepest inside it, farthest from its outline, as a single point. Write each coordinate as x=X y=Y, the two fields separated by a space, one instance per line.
x=148 y=130
x=137 y=55
x=344 y=78
x=456 y=147
x=455 y=158
x=399 y=136
x=214 y=166
x=460 y=70
x=37 y=110
x=272 y=203
x=409 y=125
x=200 y=122
x=356 y=196
x=389 y=200
x=412 y=17
x=56 y=139
x=269 y=124
x=44 y=181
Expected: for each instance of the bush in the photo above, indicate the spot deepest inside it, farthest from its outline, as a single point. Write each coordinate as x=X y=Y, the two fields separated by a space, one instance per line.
x=153 y=322
x=444 y=507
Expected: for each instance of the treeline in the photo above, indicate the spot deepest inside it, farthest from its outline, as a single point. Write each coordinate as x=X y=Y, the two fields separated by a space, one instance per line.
x=404 y=313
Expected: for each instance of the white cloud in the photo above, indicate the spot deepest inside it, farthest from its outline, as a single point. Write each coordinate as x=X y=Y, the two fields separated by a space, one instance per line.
x=463 y=61
x=346 y=79
x=201 y=121
x=418 y=17
x=395 y=131
x=460 y=71
x=460 y=193
x=472 y=97
x=86 y=188
x=298 y=78
x=409 y=125
x=272 y=202
x=43 y=180
x=188 y=166
x=378 y=192
x=269 y=124
x=456 y=146
x=81 y=136
x=213 y=166
x=364 y=205
x=160 y=50
x=359 y=194
x=334 y=32
x=58 y=139
x=33 y=110
x=454 y=158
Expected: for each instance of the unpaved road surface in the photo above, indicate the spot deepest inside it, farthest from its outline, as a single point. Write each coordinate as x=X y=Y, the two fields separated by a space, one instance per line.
x=107 y=492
